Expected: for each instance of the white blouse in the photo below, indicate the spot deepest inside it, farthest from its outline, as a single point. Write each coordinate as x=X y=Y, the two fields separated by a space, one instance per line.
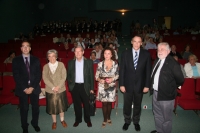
x=53 y=67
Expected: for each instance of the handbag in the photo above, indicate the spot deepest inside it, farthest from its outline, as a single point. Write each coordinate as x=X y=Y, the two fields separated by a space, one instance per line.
x=92 y=104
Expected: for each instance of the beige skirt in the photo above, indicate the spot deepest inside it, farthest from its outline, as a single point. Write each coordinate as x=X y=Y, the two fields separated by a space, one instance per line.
x=56 y=103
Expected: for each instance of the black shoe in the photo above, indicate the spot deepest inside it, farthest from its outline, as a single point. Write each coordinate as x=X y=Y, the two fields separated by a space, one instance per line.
x=37 y=128
x=76 y=124
x=89 y=124
x=137 y=127
x=154 y=131
x=125 y=127
x=25 y=131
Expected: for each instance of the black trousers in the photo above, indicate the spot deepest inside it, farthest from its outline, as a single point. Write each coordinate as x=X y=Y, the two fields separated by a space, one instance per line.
x=136 y=99
x=80 y=97
x=24 y=107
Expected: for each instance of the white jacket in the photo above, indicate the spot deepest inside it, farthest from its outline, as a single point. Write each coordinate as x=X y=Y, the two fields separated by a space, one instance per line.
x=189 y=71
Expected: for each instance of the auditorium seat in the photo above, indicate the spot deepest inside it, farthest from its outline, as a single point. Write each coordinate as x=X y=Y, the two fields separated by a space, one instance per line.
x=8 y=89
x=8 y=67
x=188 y=100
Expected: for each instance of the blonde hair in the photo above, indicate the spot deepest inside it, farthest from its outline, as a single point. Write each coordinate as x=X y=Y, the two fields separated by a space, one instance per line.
x=192 y=55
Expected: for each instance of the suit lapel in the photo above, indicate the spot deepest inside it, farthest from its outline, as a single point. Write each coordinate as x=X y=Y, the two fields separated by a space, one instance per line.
x=131 y=59
x=84 y=67
x=140 y=58
x=73 y=69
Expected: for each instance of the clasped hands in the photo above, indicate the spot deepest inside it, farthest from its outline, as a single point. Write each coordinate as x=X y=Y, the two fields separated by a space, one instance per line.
x=55 y=89
x=29 y=90
x=107 y=80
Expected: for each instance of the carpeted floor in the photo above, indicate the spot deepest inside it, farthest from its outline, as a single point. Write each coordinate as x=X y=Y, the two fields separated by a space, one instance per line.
x=185 y=122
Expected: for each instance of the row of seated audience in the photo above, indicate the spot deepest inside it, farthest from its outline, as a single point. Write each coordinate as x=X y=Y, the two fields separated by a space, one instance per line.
x=73 y=27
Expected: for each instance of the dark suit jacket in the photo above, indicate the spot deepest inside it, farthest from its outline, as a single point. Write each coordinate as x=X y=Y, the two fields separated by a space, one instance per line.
x=135 y=79
x=177 y=54
x=21 y=76
x=87 y=72
x=170 y=78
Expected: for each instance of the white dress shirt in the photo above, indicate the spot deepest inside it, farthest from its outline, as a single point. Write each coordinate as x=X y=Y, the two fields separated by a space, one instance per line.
x=53 y=67
x=79 y=71
x=157 y=74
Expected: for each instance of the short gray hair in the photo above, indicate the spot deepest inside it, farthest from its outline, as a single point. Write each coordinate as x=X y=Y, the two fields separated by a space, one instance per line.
x=79 y=47
x=52 y=51
x=165 y=44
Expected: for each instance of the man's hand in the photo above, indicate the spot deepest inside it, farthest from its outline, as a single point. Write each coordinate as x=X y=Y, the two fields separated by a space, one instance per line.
x=145 y=90
x=122 y=88
x=91 y=91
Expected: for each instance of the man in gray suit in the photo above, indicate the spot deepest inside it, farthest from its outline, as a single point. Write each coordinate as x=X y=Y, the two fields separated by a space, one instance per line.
x=165 y=78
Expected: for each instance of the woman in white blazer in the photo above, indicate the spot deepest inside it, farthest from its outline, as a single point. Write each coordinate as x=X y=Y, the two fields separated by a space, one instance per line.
x=192 y=68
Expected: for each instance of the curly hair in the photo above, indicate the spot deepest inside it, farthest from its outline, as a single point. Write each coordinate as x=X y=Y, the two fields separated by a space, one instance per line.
x=112 y=52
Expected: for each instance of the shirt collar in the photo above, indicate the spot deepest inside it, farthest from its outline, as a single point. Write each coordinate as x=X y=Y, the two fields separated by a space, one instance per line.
x=26 y=56
x=81 y=60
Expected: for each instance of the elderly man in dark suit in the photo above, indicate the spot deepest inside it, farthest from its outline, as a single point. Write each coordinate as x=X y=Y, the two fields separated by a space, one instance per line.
x=27 y=75
x=166 y=77
x=134 y=74
x=80 y=78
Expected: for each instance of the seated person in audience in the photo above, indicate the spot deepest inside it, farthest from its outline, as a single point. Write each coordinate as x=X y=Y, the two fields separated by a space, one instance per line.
x=100 y=46
x=146 y=40
x=176 y=32
x=79 y=36
x=97 y=51
x=86 y=41
x=73 y=40
x=91 y=44
x=81 y=43
x=173 y=52
x=166 y=33
x=187 y=52
x=192 y=68
x=11 y=56
x=66 y=45
x=68 y=38
x=87 y=37
x=157 y=38
x=150 y=44
x=194 y=32
x=96 y=39
x=93 y=57
x=112 y=46
x=75 y=45
x=61 y=39
x=161 y=39
x=182 y=69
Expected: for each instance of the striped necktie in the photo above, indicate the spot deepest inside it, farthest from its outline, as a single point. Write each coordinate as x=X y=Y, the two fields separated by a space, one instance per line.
x=135 y=60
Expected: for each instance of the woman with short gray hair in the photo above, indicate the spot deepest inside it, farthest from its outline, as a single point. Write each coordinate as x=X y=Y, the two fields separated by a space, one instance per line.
x=54 y=76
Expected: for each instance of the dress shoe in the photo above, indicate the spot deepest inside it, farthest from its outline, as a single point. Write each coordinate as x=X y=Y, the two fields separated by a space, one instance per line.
x=25 y=131
x=154 y=131
x=64 y=124
x=76 y=124
x=37 y=128
x=137 y=127
x=54 y=126
x=125 y=127
x=89 y=124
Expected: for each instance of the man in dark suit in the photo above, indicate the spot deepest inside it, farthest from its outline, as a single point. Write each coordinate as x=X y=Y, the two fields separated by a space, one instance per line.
x=173 y=52
x=166 y=77
x=27 y=75
x=80 y=78
x=135 y=71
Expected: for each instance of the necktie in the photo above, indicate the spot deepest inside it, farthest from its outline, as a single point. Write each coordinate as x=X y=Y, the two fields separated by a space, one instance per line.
x=27 y=67
x=154 y=72
x=135 y=59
